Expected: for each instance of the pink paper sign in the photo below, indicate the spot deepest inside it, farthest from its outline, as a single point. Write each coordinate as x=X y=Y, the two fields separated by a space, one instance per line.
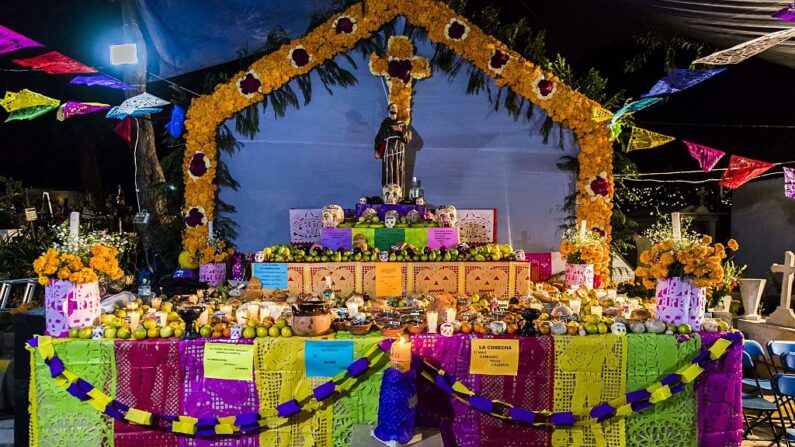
x=540 y=266
x=336 y=238
x=442 y=237
x=213 y=274
x=579 y=275
x=679 y=301
x=69 y=305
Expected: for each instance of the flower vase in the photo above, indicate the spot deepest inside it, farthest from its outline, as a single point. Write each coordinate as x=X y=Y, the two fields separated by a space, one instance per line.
x=69 y=305
x=579 y=275
x=679 y=301
x=213 y=274
x=751 y=291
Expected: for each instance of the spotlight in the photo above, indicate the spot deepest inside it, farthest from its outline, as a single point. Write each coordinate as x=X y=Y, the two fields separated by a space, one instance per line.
x=123 y=54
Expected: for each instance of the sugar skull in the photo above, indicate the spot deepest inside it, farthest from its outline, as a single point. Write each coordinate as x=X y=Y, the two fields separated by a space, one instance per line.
x=362 y=200
x=519 y=255
x=447 y=329
x=392 y=193
x=391 y=218
x=420 y=201
x=618 y=329
x=259 y=256
x=383 y=256
x=98 y=332
x=369 y=213
x=235 y=332
x=413 y=217
x=332 y=216
x=446 y=216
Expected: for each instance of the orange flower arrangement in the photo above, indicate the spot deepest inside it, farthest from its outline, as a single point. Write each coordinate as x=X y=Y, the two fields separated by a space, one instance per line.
x=216 y=250
x=339 y=34
x=100 y=262
x=583 y=248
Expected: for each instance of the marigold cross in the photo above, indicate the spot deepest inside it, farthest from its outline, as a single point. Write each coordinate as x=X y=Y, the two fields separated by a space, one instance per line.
x=400 y=66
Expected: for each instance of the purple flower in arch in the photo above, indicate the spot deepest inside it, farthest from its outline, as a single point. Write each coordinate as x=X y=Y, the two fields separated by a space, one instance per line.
x=299 y=56
x=599 y=230
x=545 y=87
x=249 y=84
x=198 y=165
x=456 y=30
x=400 y=69
x=600 y=186
x=498 y=60
x=344 y=25
x=195 y=217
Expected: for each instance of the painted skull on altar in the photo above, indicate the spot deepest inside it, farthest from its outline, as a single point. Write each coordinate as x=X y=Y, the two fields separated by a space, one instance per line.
x=447 y=329
x=391 y=218
x=420 y=201
x=98 y=332
x=413 y=217
x=446 y=216
x=235 y=332
x=332 y=216
x=392 y=193
x=519 y=255
x=383 y=256
x=259 y=256
x=362 y=200
x=618 y=329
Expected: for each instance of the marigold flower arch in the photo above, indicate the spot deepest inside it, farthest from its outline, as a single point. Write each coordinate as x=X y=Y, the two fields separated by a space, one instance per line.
x=339 y=34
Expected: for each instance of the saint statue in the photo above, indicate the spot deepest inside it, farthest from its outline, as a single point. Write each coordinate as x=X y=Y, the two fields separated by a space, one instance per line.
x=390 y=148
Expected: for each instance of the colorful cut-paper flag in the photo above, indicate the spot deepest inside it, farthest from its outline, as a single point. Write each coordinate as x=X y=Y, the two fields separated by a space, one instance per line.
x=741 y=170
x=143 y=111
x=54 y=63
x=124 y=130
x=101 y=80
x=707 y=157
x=29 y=113
x=646 y=139
x=73 y=108
x=633 y=107
x=24 y=99
x=175 y=126
x=12 y=41
x=789 y=183
x=679 y=79
x=745 y=50
x=787 y=14
x=600 y=114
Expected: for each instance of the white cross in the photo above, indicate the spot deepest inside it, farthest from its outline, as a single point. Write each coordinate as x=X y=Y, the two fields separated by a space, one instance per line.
x=788 y=271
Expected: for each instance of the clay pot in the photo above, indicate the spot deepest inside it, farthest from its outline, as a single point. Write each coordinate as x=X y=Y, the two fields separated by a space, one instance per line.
x=360 y=329
x=311 y=326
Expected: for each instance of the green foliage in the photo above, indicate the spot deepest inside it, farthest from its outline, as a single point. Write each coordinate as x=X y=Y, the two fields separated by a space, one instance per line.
x=673 y=49
x=18 y=253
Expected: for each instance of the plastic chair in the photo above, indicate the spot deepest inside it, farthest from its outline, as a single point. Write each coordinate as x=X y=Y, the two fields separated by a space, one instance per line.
x=784 y=387
x=757 y=355
x=762 y=408
x=775 y=348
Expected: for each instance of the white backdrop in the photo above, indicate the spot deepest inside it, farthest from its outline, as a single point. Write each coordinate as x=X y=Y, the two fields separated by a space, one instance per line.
x=467 y=155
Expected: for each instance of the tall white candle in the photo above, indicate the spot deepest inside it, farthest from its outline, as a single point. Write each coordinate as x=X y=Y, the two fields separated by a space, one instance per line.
x=210 y=230
x=433 y=321
x=400 y=355
x=135 y=318
x=676 y=225
x=583 y=227
x=451 y=314
x=74 y=225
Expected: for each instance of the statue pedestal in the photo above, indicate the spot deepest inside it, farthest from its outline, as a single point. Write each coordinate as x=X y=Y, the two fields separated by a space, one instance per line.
x=763 y=330
x=782 y=317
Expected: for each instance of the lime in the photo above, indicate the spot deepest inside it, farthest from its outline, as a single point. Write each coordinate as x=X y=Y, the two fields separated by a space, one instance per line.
x=139 y=333
x=166 y=332
x=287 y=332
x=602 y=327
x=249 y=332
x=153 y=333
x=591 y=328
x=150 y=324
x=281 y=322
x=110 y=332
x=123 y=333
x=85 y=333
x=205 y=331
x=262 y=331
x=74 y=332
x=179 y=332
x=274 y=331
x=684 y=328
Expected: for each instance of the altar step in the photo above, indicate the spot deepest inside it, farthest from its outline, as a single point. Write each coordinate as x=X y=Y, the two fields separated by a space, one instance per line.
x=424 y=437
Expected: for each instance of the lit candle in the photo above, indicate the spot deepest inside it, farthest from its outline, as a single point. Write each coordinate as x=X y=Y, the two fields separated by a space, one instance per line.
x=575 y=304
x=253 y=311
x=135 y=318
x=583 y=227
x=450 y=314
x=676 y=224
x=227 y=309
x=433 y=320
x=204 y=318
x=155 y=303
x=400 y=355
x=240 y=315
x=596 y=310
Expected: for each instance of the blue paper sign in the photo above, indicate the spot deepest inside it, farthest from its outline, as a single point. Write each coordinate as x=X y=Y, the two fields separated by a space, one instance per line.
x=327 y=358
x=272 y=275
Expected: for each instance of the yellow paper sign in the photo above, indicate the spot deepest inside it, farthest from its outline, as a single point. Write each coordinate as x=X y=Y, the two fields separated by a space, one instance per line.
x=494 y=357
x=228 y=361
x=388 y=279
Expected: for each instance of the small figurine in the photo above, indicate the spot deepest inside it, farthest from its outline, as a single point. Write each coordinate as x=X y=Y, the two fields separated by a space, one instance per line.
x=447 y=329
x=392 y=193
x=519 y=255
x=363 y=200
x=332 y=216
x=446 y=216
x=420 y=201
x=391 y=218
x=259 y=256
x=98 y=332
x=618 y=329
x=530 y=315
x=383 y=256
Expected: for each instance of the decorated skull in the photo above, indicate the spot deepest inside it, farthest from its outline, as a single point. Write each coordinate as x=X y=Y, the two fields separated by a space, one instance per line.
x=519 y=255
x=618 y=329
x=235 y=332
x=446 y=216
x=447 y=329
x=259 y=256
x=420 y=201
x=413 y=217
x=98 y=332
x=369 y=213
x=383 y=256
x=392 y=193
x=332 y=216
x=391 y=218
x=362 y=200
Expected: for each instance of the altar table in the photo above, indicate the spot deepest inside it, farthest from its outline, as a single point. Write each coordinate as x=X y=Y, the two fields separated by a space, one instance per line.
x=558 y=373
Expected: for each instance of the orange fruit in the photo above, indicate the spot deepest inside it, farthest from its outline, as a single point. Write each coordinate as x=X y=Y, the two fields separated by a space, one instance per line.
x=216 y=334
x=466 y=327
x=227 y=332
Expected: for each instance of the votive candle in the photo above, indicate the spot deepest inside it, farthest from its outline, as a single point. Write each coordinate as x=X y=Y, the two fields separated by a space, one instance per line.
x=433 y=320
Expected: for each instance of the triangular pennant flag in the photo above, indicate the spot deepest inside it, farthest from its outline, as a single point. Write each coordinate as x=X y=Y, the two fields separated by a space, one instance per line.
x=600 y=114
x=142 y=101
x=789 y=183
x=646 y=139
x=175 y=126
x=124 y=130
x=73 y=108
x=54 y=63
x=29 y=113
x=706 y=157
x=633 y=107
x=101 y=80
x=13 y=41
x=116 y=114
x=25 y=99
x=679 y=79
x=745 y=50
x=787 y=14
x=741 y=170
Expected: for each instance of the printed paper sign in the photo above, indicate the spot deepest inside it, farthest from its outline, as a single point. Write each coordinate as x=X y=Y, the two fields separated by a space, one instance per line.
x=327 y=358
x=442 y=237
x=228 y=361
x=385 y=238
x=494 y=357
x=388 y=279
x=272 y=275
x=336 y=238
